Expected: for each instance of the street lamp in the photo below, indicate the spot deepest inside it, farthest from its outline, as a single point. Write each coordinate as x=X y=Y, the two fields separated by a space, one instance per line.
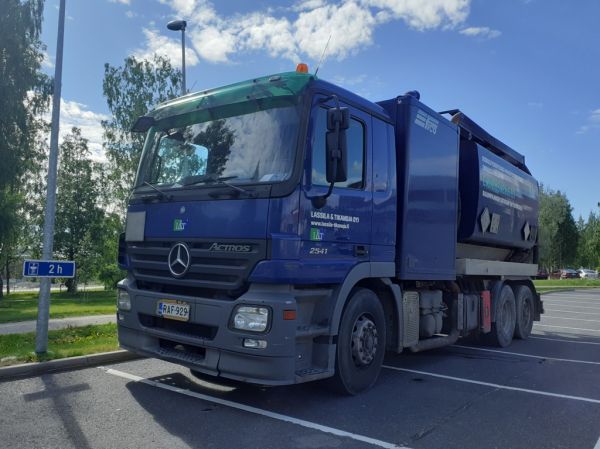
x=176 y=25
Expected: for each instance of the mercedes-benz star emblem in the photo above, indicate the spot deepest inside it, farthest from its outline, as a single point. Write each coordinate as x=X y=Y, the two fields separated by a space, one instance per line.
x=179 y=259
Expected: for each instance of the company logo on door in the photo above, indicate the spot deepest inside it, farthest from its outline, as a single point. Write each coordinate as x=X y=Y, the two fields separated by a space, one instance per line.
x=316 y=234
x=179 y=225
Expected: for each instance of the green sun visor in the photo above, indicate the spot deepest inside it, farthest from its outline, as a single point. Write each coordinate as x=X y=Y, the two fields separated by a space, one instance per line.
x=236 y=99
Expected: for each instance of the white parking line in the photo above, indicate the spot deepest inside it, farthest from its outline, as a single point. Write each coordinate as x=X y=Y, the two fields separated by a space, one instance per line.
x=569 y=311
x=519 y=354
x=587 y=305
x=593 y=297
x=562 y=340
x=563 y=327
x=544 y=317
x=590 y=302
x=574 y=307
x=255 y=410
x=499 y=386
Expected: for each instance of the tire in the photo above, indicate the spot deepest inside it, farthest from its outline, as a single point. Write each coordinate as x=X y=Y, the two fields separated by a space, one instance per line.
x=503 y=328
x=525 y=308
x=360 y=345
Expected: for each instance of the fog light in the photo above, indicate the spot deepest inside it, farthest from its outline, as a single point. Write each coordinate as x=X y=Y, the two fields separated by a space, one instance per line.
x=254 y=344
x=123 y=300
x=251 y=318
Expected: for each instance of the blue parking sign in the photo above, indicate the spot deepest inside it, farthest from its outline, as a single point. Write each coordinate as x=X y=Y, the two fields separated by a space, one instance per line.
x=49 y=268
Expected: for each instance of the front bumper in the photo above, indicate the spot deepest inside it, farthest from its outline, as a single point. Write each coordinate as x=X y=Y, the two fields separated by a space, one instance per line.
x=207 y=344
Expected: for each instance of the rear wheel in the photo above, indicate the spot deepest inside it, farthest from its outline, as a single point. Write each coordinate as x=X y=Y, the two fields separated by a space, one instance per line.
x=525 y=311
x=503 y=328
x=361 y=344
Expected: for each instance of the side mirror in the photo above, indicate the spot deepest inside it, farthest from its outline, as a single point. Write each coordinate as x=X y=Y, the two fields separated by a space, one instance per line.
x=338 y=121
x=338 y=115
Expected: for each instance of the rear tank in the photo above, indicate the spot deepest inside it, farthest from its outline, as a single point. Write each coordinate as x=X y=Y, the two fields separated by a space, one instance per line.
x=498 y=197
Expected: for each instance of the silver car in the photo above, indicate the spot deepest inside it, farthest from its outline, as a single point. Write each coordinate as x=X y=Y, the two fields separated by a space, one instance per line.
x=586 y=273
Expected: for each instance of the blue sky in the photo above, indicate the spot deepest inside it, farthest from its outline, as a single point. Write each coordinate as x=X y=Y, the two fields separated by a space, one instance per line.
x=528 y=71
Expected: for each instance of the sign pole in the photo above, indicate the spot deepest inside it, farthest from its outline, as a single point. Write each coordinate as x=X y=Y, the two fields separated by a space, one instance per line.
x=41 y=330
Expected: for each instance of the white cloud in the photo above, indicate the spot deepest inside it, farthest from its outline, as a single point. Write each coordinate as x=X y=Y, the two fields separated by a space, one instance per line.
x=130 y=14
x=123 y=2
x=47 y=60
x=349 y=82
x=77 y=114
x=303 y=30
x=351 y=26
x=424 y=15
x=593 y=122
x=165 y=46
x=214 y=44
x=482 y=32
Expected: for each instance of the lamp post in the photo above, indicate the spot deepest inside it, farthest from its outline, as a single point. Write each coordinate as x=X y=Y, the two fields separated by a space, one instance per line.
x=176 y=25
x=41 y=328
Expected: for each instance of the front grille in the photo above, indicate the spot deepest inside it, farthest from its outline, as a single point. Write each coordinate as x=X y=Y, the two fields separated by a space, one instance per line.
x=212 y=274
x=179 y=327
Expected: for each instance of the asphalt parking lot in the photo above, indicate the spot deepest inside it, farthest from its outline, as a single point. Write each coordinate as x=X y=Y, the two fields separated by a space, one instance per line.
x=540 y=393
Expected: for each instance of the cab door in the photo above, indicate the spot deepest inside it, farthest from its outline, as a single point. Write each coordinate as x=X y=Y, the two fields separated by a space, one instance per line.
x=339 y=233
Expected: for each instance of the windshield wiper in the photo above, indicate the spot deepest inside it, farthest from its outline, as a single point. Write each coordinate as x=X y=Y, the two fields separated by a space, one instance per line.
x=161 y=194
x=203 y=179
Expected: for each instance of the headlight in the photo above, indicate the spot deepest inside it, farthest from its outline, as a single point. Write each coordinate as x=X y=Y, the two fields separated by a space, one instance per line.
x=123 y=300
x=251 y=318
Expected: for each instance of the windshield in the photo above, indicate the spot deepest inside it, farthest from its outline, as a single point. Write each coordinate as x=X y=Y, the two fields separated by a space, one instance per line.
x=256 y=147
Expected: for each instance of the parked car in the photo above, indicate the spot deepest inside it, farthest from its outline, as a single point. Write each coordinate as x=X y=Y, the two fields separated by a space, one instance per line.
x=586 y=273
x=555 y=274
x=542 y=274
x=568 y=273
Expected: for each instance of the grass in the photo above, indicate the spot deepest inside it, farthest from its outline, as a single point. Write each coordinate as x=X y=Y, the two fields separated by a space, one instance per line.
x=23 y=306
x=70 y=342
x=551 y=285
x=567 y=283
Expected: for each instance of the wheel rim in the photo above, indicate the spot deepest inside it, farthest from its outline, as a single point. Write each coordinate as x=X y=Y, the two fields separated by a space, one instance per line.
x=364 y=341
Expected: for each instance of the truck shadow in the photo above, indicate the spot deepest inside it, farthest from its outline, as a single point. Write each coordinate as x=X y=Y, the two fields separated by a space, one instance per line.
x=202 y=423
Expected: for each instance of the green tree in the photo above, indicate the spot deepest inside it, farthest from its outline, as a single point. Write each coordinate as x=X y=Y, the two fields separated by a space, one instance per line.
x=131 y=90
x=24 y=92
x=588 y=251
x=558 y=231
x=77 y=203
x=103 y=244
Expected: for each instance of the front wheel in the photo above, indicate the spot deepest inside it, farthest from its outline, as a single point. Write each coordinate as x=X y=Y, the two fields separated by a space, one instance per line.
x=361 y=343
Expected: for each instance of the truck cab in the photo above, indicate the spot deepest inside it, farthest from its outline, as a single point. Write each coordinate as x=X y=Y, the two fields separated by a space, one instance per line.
x=284 y=229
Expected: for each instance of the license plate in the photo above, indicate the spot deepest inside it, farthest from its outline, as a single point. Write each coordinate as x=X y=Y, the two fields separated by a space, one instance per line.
x=174 y=310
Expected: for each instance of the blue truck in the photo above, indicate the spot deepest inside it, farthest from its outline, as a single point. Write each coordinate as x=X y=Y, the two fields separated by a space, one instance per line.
x=284 y=230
